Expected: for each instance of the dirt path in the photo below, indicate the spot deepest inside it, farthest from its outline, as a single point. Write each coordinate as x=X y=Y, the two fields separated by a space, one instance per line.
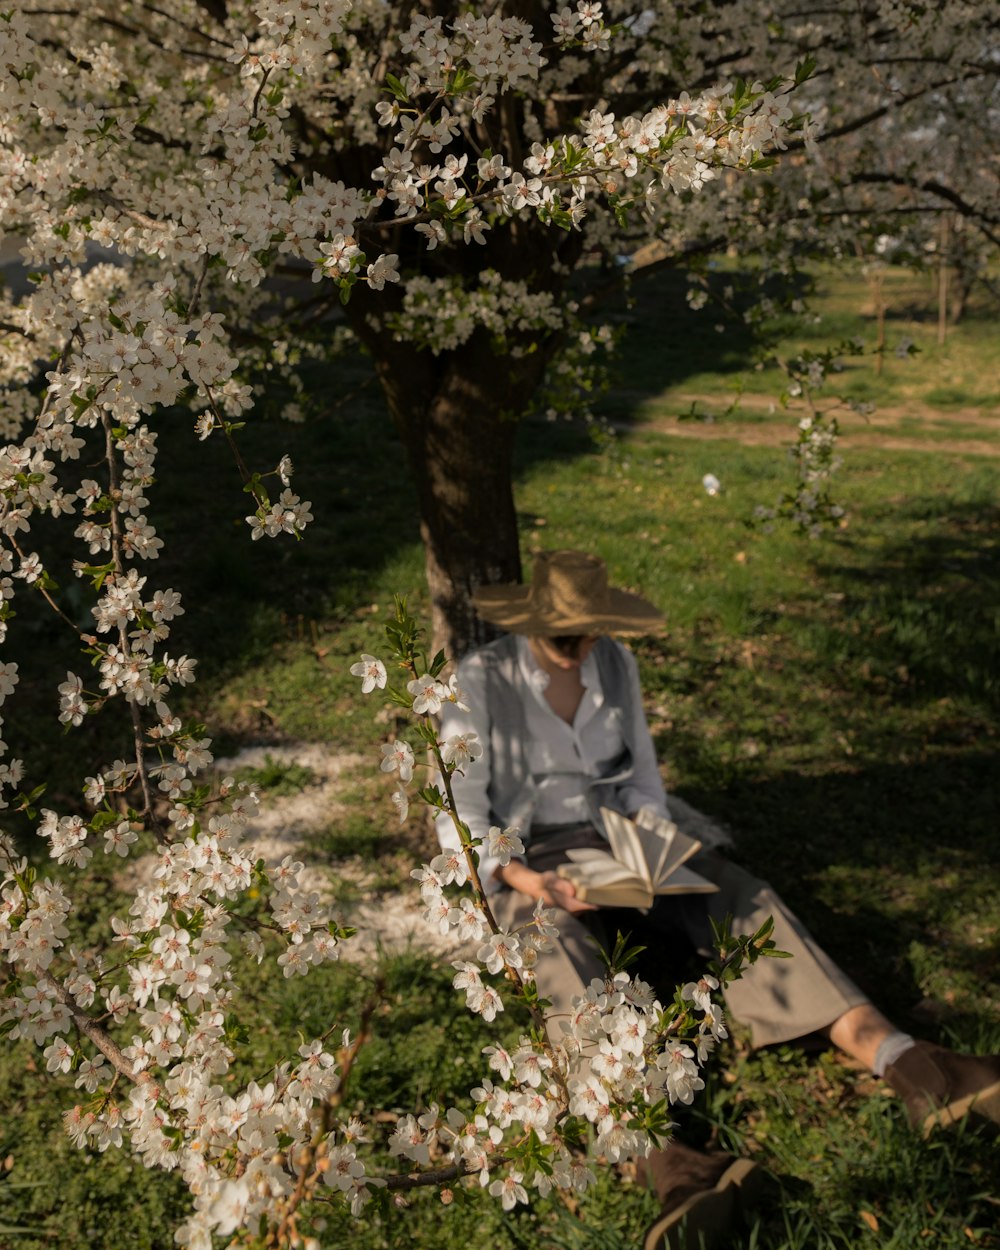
x=286 y=825
x=875 y=431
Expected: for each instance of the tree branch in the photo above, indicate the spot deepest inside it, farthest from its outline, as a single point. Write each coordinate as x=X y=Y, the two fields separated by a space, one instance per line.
x=89 y=1027
x=977 y=215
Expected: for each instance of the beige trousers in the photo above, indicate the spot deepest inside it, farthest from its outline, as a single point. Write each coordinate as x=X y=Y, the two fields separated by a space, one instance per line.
x=778 y=999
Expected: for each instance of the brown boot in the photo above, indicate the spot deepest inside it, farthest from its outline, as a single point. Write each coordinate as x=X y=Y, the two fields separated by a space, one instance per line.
x=940 y=1087
x=703 y=1196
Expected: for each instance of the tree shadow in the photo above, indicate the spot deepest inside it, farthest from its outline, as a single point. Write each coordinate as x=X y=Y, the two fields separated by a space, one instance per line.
x=889 y=1182
x=924 y=614
x=880 y=863
x=890 y=854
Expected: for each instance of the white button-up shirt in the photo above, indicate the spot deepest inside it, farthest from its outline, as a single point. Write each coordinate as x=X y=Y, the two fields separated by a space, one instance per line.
x=563 y=758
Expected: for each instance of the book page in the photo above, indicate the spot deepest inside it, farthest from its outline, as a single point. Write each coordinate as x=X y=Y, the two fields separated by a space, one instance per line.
x=678 y=850
x=591 y=865
x=658 y=849
x=687 y=881
x=611 y=887
x=626 y=844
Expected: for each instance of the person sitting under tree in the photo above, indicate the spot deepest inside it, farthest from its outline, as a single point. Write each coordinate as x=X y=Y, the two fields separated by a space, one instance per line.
x=557 y=707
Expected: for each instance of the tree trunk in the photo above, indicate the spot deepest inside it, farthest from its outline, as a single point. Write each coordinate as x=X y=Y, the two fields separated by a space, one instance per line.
x=961 y=287
x=460 y=445
x=943 y=271
x=457 y=414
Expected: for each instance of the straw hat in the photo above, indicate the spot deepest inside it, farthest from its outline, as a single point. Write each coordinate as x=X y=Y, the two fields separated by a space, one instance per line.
x=569 y=594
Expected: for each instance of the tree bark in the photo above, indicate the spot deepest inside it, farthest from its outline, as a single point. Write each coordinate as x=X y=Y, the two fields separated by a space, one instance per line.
x=457 y=414
x=460 y=445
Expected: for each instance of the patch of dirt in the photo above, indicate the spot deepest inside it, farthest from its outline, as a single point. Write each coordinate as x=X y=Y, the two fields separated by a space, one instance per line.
x=284 y=823
x=388 y=921
x=872 y=431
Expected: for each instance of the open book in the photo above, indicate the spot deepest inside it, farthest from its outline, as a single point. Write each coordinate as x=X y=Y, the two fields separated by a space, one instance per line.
x=643 y=860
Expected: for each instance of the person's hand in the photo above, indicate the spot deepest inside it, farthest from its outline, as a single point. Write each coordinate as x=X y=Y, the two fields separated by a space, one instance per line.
x=552 y=889
x=558 y=892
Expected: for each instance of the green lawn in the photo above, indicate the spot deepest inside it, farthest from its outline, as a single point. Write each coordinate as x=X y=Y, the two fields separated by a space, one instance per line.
x=834 y=701
x=709 y=355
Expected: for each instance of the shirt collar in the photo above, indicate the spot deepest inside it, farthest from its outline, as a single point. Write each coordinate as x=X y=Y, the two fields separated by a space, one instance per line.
x=538 y=678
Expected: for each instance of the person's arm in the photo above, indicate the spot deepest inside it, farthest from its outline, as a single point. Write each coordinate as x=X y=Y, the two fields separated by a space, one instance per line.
x=470 y=789
x=644 y=789
x=548 y=886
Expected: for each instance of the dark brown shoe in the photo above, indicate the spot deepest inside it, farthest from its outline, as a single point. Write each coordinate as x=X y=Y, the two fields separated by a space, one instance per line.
x=703 y=1196
x=940 y=1087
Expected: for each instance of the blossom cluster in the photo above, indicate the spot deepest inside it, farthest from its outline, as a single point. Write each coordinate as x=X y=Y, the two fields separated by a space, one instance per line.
x=673 y=147
x=442 y=313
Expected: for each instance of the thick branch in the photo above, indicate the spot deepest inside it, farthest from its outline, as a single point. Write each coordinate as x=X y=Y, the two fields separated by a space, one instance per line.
x=873 y=115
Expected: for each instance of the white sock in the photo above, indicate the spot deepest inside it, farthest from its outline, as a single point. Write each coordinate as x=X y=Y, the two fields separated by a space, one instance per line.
x=890 y=1050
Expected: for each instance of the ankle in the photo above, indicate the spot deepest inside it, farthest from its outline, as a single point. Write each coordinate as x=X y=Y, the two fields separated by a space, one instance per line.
x=890 y=1050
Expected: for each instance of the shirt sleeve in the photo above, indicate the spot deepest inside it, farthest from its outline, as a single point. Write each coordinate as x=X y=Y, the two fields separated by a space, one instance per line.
x=645 y=787
x=470 y=785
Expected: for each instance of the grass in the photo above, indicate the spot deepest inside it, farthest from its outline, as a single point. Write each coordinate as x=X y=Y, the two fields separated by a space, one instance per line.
x=939 y=381
x=835 y=702
x=277 y=777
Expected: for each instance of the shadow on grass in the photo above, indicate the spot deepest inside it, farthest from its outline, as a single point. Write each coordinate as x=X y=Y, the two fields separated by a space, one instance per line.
x=883 y=1185
x=891 y=853
x=666 y=343
x=927 y=610
x=883 y=863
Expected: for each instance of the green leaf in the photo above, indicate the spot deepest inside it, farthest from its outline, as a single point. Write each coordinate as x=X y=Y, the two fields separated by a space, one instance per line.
x=235 y=1032
x=97 y=573
x=104 y=819
x=560 y=217
x=432 y=796
x=397 y=88
x=622 y=955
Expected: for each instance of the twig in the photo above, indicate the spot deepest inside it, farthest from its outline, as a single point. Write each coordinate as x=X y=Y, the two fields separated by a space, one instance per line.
x=137 y=727
x=106 y=1044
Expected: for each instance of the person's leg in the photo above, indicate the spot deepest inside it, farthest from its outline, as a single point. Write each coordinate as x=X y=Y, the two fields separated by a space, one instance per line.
x=565 y=971
x=861 y=1032
x=786 y=999
x=779 y=1000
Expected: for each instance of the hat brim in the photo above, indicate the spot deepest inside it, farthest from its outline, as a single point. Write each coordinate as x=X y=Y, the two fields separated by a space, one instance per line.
x=511 y=609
